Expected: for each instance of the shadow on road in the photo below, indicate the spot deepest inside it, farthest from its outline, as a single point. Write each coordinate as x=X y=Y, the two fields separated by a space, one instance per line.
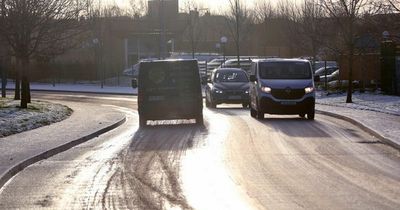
x=178 y=137
x=297 y=127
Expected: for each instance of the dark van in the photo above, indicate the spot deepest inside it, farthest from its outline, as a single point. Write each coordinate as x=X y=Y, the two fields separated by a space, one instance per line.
x=169 y=89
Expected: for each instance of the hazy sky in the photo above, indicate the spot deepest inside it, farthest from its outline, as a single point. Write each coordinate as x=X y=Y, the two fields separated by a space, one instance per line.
x=213 y=5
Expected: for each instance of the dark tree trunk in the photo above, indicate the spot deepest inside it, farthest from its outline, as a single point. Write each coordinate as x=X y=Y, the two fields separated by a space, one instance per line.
x=3 y=81
x=24 y=92
x=29 y=91
x=350 y=85
x=25 y=83
x=17 y=93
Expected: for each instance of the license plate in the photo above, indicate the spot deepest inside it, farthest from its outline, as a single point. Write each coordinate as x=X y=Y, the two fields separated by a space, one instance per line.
x=234 y=97
x=288 y=103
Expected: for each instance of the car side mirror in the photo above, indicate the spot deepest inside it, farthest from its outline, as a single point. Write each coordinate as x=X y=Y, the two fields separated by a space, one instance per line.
x=317 y=79
x=253 y=78
x=134 y=83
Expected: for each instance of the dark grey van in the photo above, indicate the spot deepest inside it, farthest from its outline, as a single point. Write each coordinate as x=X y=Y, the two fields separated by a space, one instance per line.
x=169 y=89
x=282 y=86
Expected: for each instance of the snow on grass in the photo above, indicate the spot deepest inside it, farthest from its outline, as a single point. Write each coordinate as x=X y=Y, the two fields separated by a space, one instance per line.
x=39 y=113
x=369 y=101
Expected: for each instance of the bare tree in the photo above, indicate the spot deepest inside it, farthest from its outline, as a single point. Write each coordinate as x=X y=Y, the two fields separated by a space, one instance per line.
x=193 y=30
x=291 y=17
x=239 y=19
x=29 y=25
x=138 y=8
x=311 y=23
x=347 y=14
x=265 y=13
x=3 y=70
x=3 y=78
x=394 y=4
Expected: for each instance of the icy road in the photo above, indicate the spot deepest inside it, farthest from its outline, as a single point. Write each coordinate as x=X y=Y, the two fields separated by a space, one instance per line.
x=233 y=162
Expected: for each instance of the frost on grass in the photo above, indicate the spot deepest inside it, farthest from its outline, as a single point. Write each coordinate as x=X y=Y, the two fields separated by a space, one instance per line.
x=363 y=101
x=39 y=113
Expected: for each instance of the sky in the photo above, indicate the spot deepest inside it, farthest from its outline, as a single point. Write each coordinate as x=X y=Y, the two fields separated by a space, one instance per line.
x=212 y=5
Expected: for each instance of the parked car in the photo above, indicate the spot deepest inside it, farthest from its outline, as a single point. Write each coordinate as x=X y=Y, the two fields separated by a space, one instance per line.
x=329 y=70
x=245 y=64
x=320 y=64
x=169 y=89
x=227 y=85
x=282 y=86
x=337 y=84
x=213 y=64
x=330 y=77
x=133 y=71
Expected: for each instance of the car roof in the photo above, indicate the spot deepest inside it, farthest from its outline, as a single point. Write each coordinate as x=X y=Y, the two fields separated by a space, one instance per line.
x=328 y=67
x=168 y=60
x=235 y=60
x=281 y=60
x=230 y=69
x=216 y=60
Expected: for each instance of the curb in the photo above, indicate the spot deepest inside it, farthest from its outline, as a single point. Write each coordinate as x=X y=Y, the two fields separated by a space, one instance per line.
x=85 y=92
x=51 y=152
x=363 y=127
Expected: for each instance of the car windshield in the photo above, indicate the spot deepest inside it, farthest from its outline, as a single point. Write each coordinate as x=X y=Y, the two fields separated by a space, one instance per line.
x=231 y=76
x=285 y=70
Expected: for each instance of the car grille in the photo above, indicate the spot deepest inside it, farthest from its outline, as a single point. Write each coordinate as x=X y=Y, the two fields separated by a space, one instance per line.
x=234 y=92
x=288 y=93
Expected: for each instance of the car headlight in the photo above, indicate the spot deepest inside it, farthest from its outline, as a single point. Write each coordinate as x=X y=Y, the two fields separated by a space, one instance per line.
x=217 y=91
x=266 y=89
x=309 y=89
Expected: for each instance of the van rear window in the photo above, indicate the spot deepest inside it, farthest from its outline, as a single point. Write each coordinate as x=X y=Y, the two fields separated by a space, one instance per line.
x=172 y=76
x=284 y=70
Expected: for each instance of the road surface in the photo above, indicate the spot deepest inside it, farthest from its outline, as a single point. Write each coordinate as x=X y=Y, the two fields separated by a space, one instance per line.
x=233 y=162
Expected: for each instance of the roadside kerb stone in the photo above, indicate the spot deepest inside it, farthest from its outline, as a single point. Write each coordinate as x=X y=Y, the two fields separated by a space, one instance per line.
x=365 y=128
x=24 y=149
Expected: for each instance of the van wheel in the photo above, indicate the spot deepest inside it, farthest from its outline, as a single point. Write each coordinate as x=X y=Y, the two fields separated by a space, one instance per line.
x=213 y=105
x=302 y=115
x=207 y=103
x=253 y=112
x=260 y=115
x=199 y=120
x=142 y=122
x=311 y=115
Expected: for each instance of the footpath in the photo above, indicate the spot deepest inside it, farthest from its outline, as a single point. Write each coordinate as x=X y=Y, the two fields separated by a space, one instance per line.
x=23 y=149
x=377 y=114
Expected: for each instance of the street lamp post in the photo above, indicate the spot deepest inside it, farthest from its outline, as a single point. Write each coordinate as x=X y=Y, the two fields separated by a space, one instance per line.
x=223 y=40
x=99 y=55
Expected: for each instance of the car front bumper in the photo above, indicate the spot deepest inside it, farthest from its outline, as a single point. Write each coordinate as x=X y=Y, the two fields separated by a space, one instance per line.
x=238 y=97
x=270 y=106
